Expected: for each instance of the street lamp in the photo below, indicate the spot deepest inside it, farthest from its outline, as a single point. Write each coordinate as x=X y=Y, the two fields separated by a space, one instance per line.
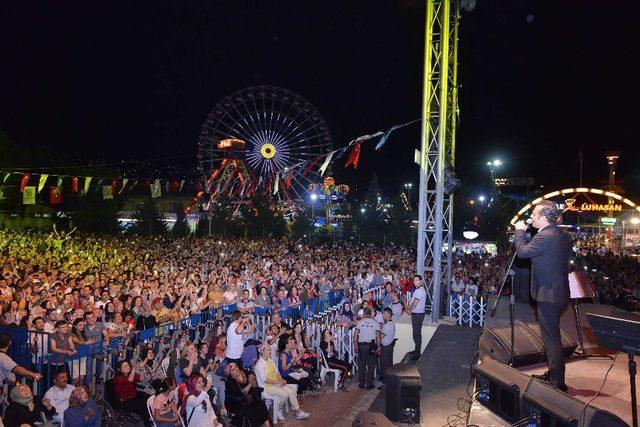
x=314 y=196
x=363 y=210
x=493 y=166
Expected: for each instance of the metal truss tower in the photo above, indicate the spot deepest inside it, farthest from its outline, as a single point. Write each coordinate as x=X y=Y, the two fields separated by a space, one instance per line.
x=437 y=153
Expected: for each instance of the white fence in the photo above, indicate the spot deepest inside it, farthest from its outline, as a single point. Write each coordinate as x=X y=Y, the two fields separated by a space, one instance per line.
x=468 y=311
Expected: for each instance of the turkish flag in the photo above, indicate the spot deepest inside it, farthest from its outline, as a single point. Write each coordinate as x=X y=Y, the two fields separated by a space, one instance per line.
x=74 y=184
x=25 y=181
x=55 y=195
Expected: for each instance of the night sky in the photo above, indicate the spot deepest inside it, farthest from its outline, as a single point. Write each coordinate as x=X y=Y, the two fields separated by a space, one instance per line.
x=539 y=79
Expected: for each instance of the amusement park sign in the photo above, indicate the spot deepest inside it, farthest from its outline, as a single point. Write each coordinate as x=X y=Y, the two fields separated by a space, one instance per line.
x=585 y=207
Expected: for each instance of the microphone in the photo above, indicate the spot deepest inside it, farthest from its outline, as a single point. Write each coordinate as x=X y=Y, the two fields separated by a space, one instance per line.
x=529 y=223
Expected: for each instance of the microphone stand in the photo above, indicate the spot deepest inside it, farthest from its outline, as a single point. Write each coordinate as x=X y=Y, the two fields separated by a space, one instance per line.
x=512 y=302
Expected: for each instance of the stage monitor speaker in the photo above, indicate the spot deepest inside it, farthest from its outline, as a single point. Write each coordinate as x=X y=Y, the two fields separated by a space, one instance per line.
x=402 y=392
x=371 y=419
x=528 y=348
x=546 y=406
x=500 y=388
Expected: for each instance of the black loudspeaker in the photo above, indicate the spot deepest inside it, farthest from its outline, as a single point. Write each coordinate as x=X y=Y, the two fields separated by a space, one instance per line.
x=528 y=348
x=402 y=392
x=500 y=388
x=516 y=396
x=549 y=407
x=371 y=419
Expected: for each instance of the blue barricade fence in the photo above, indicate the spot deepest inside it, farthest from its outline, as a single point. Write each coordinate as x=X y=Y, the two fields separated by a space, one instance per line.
x=31 y=349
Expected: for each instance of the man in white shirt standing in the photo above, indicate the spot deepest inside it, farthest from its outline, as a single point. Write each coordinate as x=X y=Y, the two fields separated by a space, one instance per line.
x=239 y=327
x=59 y=394
x=415 y=309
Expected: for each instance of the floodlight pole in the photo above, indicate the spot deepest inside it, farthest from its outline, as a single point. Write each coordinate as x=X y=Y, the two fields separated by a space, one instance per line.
x=439 y=116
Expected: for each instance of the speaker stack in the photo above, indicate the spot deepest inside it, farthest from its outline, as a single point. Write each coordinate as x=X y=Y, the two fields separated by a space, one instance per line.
x=403 y=387
x=516 y=397
x=528 y=347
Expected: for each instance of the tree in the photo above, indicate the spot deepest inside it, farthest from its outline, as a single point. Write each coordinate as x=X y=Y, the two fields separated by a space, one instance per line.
x=148 y=220
x=373 y=192
x=302 y=226
x=92 y=214
x=180 y=226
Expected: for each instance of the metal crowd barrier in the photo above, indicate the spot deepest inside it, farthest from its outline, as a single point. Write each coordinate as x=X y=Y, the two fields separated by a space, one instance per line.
x=468 y=311
x=97 y=362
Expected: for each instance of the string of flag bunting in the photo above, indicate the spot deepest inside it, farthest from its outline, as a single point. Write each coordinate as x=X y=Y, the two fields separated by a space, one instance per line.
x=221 y=181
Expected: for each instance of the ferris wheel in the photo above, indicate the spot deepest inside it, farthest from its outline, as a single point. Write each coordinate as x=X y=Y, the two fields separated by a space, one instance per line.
x=265 y=137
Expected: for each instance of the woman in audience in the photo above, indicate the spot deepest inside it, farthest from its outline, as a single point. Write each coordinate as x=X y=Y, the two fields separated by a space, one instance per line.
x=271 y=381
x=118 y=328
x=124 y=387
x=329 y=347
x=242 y=396
x=25 y=408
x=82 y=411
x=79 y=366
x=165 y=412
x=151 y=369
x=289 y=366
x=308 y=357
x=196 y=407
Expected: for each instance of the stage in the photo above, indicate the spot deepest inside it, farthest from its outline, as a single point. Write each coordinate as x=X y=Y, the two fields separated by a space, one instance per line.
x=445 y=370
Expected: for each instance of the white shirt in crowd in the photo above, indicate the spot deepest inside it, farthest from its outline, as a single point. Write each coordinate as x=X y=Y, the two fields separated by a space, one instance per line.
x=59 y=398
x=420 y=295
x=235 y=342
x=457 y=286
x=471 y=290
x=6 y=366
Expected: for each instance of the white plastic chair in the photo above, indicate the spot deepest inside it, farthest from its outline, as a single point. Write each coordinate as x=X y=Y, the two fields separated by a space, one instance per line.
x=325 y=369
x=150 y=409
x=165 y=365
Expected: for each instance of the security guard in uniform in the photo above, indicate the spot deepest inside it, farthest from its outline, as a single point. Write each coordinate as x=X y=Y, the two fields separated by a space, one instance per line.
x=387 y=343
x=367 y=344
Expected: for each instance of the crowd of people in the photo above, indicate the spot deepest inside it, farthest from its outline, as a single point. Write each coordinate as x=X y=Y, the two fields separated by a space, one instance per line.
x=84 y=289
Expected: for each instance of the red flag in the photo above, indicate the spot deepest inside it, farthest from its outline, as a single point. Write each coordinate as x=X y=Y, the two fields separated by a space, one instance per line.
x=114 y=186
x=308 y=168
x=287 y=180
x=354 y=156
x=74 y=184
x=55 y=195
x=25 y=181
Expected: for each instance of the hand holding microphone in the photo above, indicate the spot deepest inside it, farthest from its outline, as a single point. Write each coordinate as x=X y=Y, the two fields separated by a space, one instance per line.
x=523 y=225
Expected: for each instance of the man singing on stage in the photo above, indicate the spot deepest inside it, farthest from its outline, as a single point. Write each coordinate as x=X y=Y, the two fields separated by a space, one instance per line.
x=549 y=251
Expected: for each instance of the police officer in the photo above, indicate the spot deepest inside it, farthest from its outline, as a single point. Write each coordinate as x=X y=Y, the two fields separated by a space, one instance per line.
x=387 y=342
x=415 y=309
x=367 y=344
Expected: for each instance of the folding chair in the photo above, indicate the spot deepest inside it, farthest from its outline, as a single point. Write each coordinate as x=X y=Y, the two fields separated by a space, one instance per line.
x=325 y=369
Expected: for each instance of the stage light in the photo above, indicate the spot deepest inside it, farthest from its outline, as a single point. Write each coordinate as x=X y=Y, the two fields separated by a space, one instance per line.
x=635 y=220
x=497 y=162
x=481 y=198
x=363 y=210
x=314 y=196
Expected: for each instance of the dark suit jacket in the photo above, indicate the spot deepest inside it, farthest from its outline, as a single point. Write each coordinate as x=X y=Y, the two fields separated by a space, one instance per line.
x=549 y=251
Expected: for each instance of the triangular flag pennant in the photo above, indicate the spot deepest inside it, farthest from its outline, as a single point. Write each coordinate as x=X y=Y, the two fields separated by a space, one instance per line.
x=354 y=156
x=6 y=176
x=135 y=182
x=107 y=192
x=287 y=180
x=114 y=186
x=173 y=184
x=87 y=183
x=43 y=180
x=29 y=196
x=59 y=184
x=325 y=164
x=181 y=185
x=25 y=181
x=124 y=184
x=156 y=188
x=311 y=165
x=74 y=184
x=385 y=136
x=55 y=195
x=276 y=186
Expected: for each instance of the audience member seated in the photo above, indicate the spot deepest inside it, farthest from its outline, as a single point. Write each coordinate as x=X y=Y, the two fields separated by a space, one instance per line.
x=165 y=412
x=58 y=394
x=82 y=411
x=196 y=407
x=25 y=408
x=124 y=387
x=274 y=385
x=289 y=366
x=244 y=397
x=329 y=347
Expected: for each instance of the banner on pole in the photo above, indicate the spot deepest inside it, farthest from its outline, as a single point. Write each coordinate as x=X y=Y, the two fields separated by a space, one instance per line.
x=107 y=192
